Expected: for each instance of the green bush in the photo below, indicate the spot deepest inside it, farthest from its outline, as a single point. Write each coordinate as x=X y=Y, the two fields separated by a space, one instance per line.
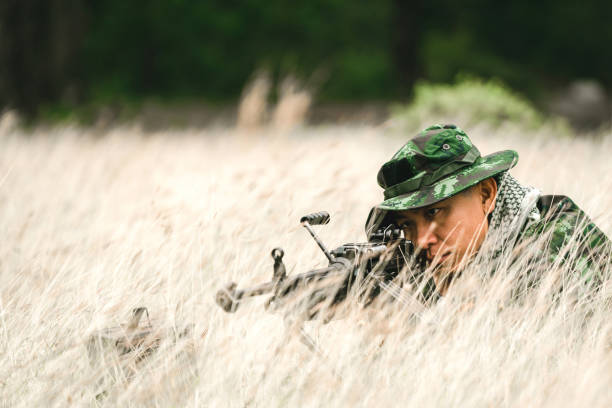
x=468 y=102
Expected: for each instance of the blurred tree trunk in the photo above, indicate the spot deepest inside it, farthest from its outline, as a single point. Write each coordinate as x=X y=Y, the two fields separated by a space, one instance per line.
x=407 y=18
x=39 y=40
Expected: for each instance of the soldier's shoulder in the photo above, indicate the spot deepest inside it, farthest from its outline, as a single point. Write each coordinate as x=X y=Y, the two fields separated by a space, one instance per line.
x=564 y=221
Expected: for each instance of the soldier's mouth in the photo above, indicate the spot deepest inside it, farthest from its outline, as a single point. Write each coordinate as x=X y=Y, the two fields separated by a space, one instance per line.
x=439 y=258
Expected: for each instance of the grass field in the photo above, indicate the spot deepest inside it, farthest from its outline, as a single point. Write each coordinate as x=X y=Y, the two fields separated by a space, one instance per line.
x=97 y=223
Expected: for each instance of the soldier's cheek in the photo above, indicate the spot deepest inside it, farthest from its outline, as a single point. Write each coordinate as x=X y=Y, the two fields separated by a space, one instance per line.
x=446 y=235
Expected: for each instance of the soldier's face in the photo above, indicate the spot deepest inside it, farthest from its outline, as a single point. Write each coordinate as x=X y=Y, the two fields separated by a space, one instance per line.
x=451 y=231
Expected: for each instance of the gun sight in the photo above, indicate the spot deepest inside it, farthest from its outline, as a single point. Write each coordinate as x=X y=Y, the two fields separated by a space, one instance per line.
x=318 y=218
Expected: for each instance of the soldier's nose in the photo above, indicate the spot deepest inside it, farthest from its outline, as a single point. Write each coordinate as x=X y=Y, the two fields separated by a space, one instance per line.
x=426 y=237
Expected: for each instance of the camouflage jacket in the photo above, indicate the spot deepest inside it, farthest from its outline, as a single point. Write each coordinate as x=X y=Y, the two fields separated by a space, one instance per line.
x=569 y=236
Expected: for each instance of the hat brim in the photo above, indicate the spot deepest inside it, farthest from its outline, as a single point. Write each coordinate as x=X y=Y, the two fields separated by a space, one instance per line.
x=483 y=168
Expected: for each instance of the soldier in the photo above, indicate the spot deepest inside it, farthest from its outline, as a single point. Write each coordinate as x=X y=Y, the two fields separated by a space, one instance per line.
x=457 y=205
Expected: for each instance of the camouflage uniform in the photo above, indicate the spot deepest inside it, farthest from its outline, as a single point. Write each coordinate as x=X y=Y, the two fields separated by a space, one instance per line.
x=441 y=161
x=570 y=235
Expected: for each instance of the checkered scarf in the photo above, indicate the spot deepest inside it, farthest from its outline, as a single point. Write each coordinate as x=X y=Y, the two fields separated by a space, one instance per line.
x=515 y=204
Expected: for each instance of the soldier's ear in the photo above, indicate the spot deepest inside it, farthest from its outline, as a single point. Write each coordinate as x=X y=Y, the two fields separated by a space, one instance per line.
x=488 y=193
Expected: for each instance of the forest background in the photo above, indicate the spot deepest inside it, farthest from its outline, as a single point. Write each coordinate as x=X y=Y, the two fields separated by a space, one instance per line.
x=62 y=57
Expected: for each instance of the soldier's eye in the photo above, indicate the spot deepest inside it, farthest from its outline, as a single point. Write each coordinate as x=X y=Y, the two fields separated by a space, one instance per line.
x=406 y=228
x=431 y=212
x=405 y=225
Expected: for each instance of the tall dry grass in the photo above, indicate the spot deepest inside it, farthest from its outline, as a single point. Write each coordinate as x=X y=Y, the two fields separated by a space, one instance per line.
x=95 y=225
x=291 y=109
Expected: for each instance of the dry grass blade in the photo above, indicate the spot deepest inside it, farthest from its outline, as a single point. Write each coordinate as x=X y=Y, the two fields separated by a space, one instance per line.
x=95 y=226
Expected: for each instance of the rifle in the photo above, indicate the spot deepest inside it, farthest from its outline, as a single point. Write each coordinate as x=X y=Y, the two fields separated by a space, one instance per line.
x=359 y=268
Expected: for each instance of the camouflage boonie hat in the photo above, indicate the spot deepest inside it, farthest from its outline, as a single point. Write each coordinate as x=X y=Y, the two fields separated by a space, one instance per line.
x=438 y=163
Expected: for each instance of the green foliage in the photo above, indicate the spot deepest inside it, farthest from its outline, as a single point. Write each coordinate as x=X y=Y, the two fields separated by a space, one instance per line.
x=443 y=56
x=75 y=52
x=468 y=102
x=190 y=49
